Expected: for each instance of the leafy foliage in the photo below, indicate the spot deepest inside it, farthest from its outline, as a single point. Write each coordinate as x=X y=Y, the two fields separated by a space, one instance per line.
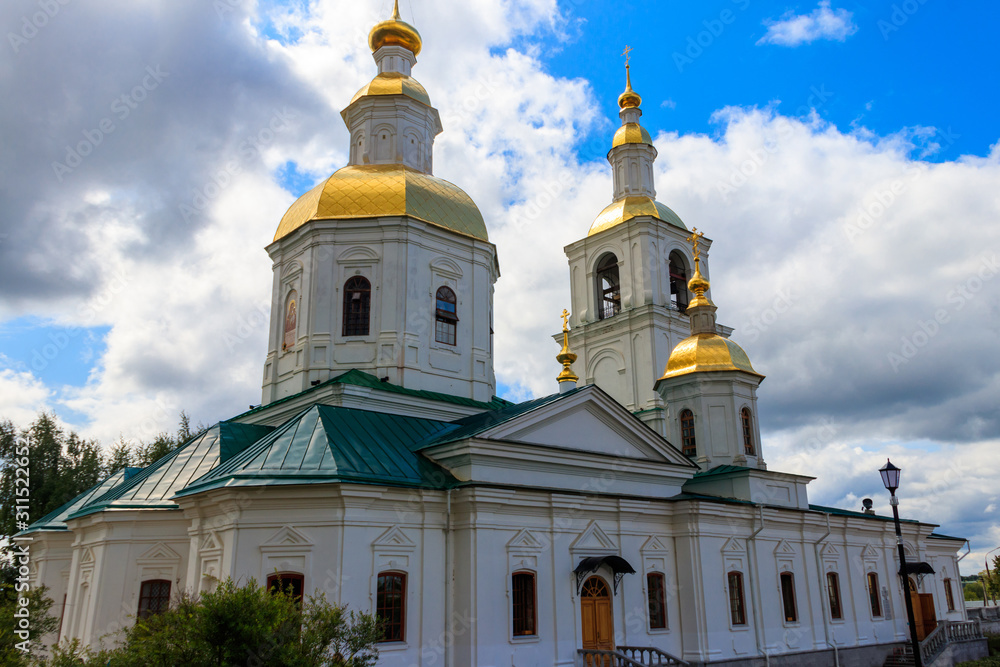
x=240 y=625
x=41 y=624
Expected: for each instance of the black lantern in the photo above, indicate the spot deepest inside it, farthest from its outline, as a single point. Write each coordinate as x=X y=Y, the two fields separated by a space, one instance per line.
x=890 y=476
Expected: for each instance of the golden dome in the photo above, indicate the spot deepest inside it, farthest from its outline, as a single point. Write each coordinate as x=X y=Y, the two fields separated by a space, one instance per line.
x=629 y=99
x=394 y=83
x=371 y=191
x=631 y=133
x=627 y=208
x=706 y=352
x=395 y=32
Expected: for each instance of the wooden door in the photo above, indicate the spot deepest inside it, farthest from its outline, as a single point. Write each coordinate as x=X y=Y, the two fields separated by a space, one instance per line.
x=928 y=616
x=918 y=618
x=597 y=621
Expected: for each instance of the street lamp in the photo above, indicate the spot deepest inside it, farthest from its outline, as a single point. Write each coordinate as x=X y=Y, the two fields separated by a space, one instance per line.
x=890 y=478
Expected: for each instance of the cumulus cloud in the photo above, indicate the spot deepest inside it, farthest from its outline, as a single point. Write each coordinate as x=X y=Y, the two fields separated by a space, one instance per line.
x=22 y=395
x=822 y=23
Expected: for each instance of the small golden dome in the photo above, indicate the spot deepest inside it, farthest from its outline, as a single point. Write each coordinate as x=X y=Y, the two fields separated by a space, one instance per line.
x=395 y=32
x=706 y=352
x=629 y=99
x=699 y=286
x=631 y=133
x=372 y=191
x=627 y=208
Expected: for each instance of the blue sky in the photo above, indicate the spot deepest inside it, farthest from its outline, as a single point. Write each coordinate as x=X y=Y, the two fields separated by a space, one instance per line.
x=862 y=139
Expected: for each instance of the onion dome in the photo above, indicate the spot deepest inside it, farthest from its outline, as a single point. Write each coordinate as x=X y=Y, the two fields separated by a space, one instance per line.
x=629 y=99
x=395 y=32
x=381 y=190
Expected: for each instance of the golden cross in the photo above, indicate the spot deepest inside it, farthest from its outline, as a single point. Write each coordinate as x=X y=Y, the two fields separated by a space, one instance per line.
x=628 y=49
x=565 y=316
x=693 y=239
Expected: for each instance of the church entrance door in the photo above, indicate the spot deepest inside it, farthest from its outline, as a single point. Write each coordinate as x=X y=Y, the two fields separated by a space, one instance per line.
x=595 y=609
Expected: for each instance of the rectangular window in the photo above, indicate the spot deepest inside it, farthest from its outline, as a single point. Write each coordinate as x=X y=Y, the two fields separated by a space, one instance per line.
x=948 y=595
x=833 y=590
x=523 y=601
x=154 y=597
x=657 y=601
x=873 y=592
x=788 y=597
x=390 y=605
x=737 y=612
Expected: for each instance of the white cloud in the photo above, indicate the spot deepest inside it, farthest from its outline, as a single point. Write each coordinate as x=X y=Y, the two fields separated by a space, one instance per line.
x=822 y=23
x=22 y=395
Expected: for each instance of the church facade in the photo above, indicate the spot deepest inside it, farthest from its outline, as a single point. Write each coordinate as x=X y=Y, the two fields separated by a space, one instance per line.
x=632 y=511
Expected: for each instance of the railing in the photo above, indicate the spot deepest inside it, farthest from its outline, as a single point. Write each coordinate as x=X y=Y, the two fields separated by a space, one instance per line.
x=599 y=658
x=651 y=656
x=945 y=633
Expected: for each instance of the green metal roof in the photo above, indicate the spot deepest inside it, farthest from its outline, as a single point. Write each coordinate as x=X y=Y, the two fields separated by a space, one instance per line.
x=56 y=519
x=471 y=426
x=720 y=470
x=155 y=485
x=326 y=444
x=362 y=379
x=836 y=511
x=939 y=536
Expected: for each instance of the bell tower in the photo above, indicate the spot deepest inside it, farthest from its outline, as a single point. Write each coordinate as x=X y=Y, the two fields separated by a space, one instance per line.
x=384 y=267
x=629 y=275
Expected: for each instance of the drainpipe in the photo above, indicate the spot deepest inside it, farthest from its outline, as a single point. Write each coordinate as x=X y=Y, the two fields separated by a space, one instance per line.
x=449 y=638
x=757 y=603
x=824 y=603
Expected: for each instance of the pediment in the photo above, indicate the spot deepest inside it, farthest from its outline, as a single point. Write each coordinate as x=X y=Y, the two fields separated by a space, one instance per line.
x=525 y=540
x=87 y=556
x=655 y=544
x=784 y=548
x=830 y=551
x=211 y=542
x=734 y=546
x=159 y=552
x=869 y=552
x=594 y=541
x=589 y=421
x=287 y=537
x=394 y=538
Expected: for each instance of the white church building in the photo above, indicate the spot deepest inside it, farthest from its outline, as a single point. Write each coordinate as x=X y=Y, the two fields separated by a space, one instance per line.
x=631 y=511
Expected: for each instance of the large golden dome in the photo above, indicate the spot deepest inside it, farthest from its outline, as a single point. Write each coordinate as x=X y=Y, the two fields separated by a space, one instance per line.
x=707 y=352
x=395 y=32
x=372 y=191
x=627 y=208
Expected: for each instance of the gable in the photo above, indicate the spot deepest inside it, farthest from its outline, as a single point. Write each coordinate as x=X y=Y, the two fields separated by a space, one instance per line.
x=588 y=421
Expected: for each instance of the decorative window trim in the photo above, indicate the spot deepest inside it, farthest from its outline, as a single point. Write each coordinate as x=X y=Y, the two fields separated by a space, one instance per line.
x=287 y=550
x=522 y=556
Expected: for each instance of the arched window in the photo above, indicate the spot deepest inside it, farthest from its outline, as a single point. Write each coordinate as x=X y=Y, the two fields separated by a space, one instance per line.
x=357 y=306
x=678 y=282
x=873 y=595
x=656 y=598
x=291 y=321
x=737 y=608
x=289 y=582
x=154 y=597
x=445 y=316
x=688 y=446
x=833 y=591
x=788 y=597
x=949 y=596
x=747 y=419
x=390 y=605
x=523 y=602
x=608 y=287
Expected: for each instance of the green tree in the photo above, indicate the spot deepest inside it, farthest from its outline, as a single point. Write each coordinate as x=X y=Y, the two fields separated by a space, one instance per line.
x=239 y=625
x=973 y=590
x=39 y=622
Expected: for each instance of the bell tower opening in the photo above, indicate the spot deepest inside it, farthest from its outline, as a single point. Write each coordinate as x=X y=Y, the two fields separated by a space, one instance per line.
x=609 y=294
x=678 y=282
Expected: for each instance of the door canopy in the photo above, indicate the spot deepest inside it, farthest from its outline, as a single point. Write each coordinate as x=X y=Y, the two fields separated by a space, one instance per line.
x=618 y=565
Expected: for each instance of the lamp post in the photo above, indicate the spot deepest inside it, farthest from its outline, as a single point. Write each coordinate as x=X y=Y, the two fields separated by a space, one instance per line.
x=890 y=477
